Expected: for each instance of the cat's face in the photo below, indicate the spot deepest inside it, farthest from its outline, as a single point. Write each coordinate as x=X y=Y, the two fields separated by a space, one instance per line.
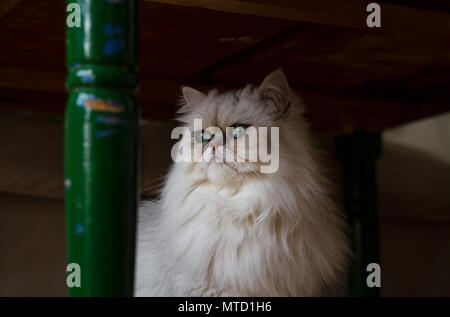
x=229 y=130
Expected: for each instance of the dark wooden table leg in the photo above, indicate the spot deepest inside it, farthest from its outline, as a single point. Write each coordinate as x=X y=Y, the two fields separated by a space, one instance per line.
x=358 y=153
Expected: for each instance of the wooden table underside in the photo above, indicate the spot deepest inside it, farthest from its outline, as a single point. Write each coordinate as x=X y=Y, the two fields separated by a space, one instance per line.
x=350 y=76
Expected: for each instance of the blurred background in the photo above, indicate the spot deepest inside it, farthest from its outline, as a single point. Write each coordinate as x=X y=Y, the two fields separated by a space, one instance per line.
x=392 y=80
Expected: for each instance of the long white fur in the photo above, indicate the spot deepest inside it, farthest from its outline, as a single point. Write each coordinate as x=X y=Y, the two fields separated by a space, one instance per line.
x=232 y=232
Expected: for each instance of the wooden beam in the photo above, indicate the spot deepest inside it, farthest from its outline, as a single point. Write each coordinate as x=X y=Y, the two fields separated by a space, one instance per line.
x=6 y=6
x=332 y=112
x=399 y=19
x=32 y=79
x=259 y=50
x=263 y=51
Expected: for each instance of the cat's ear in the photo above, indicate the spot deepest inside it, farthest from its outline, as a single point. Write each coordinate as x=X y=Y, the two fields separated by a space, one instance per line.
x=192 y=96
x=275 y=91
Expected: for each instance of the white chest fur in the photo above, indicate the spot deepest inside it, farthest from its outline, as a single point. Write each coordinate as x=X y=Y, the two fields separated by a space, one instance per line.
x=257 y=240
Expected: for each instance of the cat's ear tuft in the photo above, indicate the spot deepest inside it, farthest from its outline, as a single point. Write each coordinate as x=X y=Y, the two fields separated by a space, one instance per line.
x=192 y=96
x=275 y=91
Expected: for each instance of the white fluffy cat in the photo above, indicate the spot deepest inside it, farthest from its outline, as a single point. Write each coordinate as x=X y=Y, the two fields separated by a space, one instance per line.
x=225 y=229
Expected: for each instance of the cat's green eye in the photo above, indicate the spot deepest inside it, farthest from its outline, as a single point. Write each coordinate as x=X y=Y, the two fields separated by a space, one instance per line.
x=203 y=136
x=238 y=131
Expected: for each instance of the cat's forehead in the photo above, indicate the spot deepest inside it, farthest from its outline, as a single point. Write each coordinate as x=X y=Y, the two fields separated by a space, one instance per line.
x=233 y=107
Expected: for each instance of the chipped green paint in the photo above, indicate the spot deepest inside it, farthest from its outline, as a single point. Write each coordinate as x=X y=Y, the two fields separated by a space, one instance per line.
x=102 y=147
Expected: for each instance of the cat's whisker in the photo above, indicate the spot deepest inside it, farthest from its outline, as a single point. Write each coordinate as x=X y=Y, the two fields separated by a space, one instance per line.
x=154 y=180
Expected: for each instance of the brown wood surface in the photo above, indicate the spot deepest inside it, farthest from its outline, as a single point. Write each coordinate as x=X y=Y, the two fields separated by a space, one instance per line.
x=349 y=76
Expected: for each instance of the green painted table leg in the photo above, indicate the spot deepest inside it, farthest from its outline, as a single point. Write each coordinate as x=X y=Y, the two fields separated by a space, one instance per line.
x=102 y=147
x=358 y=153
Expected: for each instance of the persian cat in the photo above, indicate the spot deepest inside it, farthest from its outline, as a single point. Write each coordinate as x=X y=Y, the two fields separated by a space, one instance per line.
x=223 y=227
